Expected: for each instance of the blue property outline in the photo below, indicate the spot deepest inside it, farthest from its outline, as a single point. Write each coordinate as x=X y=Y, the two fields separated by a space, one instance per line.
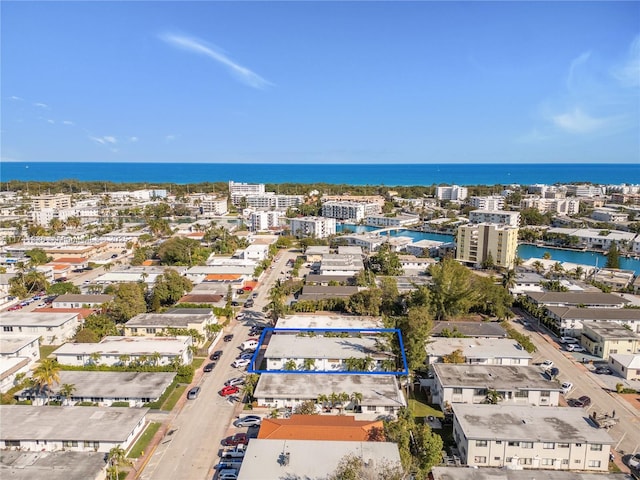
x=397 y=331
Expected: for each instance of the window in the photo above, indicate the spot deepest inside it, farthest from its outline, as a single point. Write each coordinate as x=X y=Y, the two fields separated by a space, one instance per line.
x=526 y=444
x=79 y=357
x=480 y=459
x=150 y=330
x=68 y=444
x=496 y=459
x=457 y=390
x=594 y=463
x=513 y=444
x=268 y=400
x=545 y=393
x=371 y=408
x=547 y=462
x=498 y=442
x=565 y=461
x=91 y=444
x=521 y=394
x=134 y=330
x=12 y=443
x=596 y=447
x=481 y=443
x=577 y=461
x=549 y=446
x=578 y=444
x=525 y=461
x=7 y=329
x=479 y=391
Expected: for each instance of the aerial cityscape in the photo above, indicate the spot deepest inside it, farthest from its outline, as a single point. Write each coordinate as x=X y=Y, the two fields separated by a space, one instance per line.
x=320 y=240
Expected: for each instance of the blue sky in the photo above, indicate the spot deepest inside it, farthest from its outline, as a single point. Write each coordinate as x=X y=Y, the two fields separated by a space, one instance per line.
x=311 y=82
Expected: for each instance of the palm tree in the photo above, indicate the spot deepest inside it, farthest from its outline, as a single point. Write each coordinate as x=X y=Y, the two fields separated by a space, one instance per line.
x=493 y=397
x=290 y=365
x=155 y=358
x=538 y=266
x=323 y=400
x=124 y=359
x=509 y=279
x=356 y=398
x=66 y=390
x=117 y=458
x=95 y=357
x=309 y=364
x=46 y=374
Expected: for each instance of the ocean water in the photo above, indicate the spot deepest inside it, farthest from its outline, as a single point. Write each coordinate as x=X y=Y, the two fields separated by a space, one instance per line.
x=351 y=174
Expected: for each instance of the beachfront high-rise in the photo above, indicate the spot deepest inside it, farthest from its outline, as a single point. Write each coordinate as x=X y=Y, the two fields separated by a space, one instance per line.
x=483 y=243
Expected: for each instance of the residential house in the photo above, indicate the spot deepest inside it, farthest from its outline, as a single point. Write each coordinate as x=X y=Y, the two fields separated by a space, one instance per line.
x=18 y=353
x=381 y=394
x=52 y=328
x=529 y=437
x=113 y=351
x=320 y=427
x=482 y=351
x=80 y=300
x=160 y=324
x=77 y=429
x=570 y=319
x=320 y=292
x=627 y=366
x=468 y=329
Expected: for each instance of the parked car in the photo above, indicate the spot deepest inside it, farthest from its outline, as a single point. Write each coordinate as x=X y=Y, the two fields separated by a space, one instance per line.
x=234 y=381
x=228 y=474
x=193 y=393
x=634 y=461
x=209 y=367
x=241 y=362
x=603 y=371
x=248 y=421
x=236 y=452
x=15 y=307
x=552 y=372
x=568 y=340
x=228 y=390
x=254 y=295
x=572 y=347
x=546 y=364
x=216 y=355
x=582 y=401
x=252 y=343
x=228 y=338
x=248 y=303
x=566 y=387
x=237 y=439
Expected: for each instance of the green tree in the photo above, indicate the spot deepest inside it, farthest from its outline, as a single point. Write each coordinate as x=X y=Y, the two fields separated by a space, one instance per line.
x=290 y=365
x=63 y=288
x=182 y=251
x=386 y=261
x=116 y=459
x=415 y=328
x=613 y=256
x=46 y=374
x=128 y=302
x=365 y=302
x=37 y=256
x=451 y=292
x=67 y=390
x=389 y=297
x=101 y=325
x=454 y=357
x=493 y=396
x=169 y=288
x=307 y=407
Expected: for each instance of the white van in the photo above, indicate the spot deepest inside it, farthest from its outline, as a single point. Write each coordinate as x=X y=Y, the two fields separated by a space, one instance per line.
x=249 y=344
x=568 y=340
x=228 y=474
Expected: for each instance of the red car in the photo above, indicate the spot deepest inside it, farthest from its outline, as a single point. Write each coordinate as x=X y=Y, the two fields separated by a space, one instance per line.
x=229 y=390
x=15 y=307
x=237 y=439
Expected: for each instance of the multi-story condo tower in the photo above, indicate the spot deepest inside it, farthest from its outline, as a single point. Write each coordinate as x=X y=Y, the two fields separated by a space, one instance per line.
x=317 y=227
x=479 y=243
x=237 y=191
x=453 y=192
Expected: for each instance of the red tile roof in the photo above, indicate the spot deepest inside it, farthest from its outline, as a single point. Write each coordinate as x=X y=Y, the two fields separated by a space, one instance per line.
x=318 y=427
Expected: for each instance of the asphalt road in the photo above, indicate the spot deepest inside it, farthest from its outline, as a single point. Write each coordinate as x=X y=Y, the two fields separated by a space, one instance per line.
x=191 y=451
x=626 y=433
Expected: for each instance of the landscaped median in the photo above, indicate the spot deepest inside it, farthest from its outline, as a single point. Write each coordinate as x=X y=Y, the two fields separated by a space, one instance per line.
x=141 y=445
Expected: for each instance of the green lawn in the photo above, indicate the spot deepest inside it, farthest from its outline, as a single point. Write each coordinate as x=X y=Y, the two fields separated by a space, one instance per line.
x=45 y=350
x=173 y=398
x=197 y=362
x=144 y=440
x=419 y=408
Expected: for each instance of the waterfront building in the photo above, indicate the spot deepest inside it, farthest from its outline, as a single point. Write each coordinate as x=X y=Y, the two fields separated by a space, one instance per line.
x=585 y=190
x=213 y=206
x=377 y=199
x=557 y=206
x=314 y=227
x=54 y=202
x=273 y=200
x=605 y=338
x=478 y=243
x=238 y=191
x=265 y=220
x=609 y=215
x=351 y=211
x=397 y=221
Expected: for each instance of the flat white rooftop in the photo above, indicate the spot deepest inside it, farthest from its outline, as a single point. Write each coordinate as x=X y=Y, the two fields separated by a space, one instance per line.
x=35 y=319
x=309 y=459
x=379 y=390
x=176 y=320
x=293 y=346
x=10 y=344
x=102 y=424
x=128 y=346
x=329 y=321
x=476 y=347
x=51 y=465
x=528 y=423
x=457 y=473
x=497 y=377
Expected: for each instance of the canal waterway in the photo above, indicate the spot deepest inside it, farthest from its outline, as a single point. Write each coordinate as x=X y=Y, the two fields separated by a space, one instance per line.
x=525 y=252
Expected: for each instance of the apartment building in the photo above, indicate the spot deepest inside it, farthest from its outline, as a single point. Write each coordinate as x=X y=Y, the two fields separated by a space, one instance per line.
x=558 y=206
x=55 y=202
x=261 y=221
x=509 y=385
x=315 y=227
x=351 y=211
x=529 y=437
x=479 y=243
x=397 y=221
x=52 y=328
x=452 y=193
x=609 y=215
x=605 y=338
x=213 y=206
x=585 y=190
x=155 y=324
x=499 y=217
x=492 y=202
x=273 y=200
x=478 y=351
x=238 y=191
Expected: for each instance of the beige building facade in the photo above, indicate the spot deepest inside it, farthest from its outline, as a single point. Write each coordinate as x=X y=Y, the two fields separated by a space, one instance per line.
x=478 y=243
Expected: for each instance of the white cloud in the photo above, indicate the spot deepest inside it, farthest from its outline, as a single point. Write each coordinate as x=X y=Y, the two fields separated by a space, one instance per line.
x=110 y=139
x=104 y=140
x=575 y=65
x=13 y=97
x=133 y=139
x=628 y=73
x=170 y=138
x=52 y=122
x=68 y=122
x=577 y=121
x=242 y=73
x=41 y=105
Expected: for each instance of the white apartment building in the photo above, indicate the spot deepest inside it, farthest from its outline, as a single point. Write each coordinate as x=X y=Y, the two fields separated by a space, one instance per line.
x=397 y=221
x=609 y=215
x=341 y=264
x=597 y=238
x=499 y=217
x=154 y=324
x=492 y=202
x=17 y=355
x=478 y=351
x=44 y=216
x=273 y=200
x=558 y=206
x=316 y=227
x=352 y=211
x=215 y=206
x=72 y=300
x=261 y=221
x=477 y=243
x=515 y=385
x=585 y=190
x=529 y=437
x=110 y=351
x=452 y=193
x=53 y=328
x=237 y=191
x=55 y=202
